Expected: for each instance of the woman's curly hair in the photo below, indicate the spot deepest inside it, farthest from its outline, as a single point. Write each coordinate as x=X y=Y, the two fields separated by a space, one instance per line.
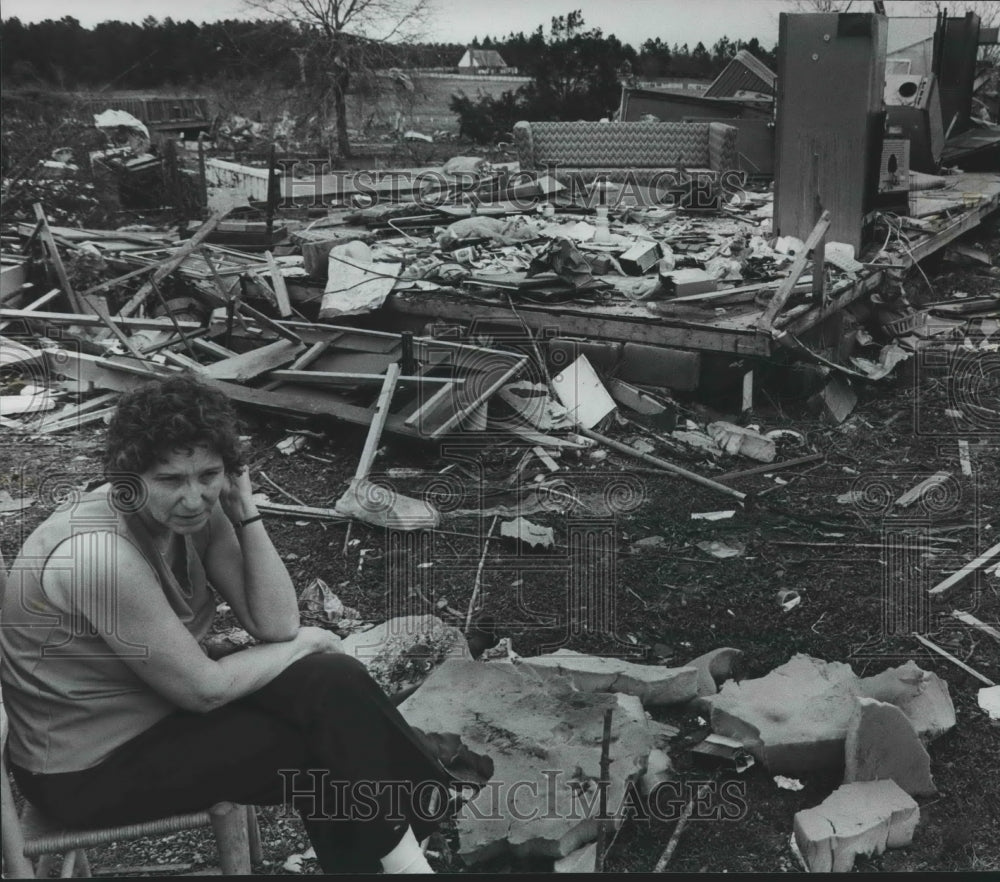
x=162 y=416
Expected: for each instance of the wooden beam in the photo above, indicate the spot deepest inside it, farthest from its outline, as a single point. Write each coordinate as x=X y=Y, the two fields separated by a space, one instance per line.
x=798 y=266
x=966 y=571
x=91 y=320
x=325 y=378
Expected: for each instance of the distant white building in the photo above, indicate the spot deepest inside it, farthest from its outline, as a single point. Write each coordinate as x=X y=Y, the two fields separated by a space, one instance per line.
x=483 y=61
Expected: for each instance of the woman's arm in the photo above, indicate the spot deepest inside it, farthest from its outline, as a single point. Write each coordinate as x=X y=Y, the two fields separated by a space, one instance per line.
x=101 y=572
x=244 y=567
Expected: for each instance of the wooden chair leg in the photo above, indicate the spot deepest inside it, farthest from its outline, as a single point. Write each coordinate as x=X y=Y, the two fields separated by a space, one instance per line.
x=68 y=869
x=82 y=865
x=253 y=834
x=230 y=824
x=43 y=869
x=16 y=865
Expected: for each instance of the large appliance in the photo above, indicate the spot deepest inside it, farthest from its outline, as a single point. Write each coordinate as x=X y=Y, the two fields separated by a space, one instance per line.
x=913 y=108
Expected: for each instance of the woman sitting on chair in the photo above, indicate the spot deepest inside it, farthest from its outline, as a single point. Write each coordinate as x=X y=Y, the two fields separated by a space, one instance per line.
x=117 y=715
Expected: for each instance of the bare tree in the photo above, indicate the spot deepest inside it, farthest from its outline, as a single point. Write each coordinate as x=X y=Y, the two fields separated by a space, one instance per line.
x=824 y=5
x=344 y=39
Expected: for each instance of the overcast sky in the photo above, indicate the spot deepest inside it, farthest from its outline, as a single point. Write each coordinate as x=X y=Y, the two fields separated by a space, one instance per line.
x=632 y=21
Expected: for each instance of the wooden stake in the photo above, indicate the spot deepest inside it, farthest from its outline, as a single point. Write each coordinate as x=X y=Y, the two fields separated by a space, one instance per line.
x=668 y=852
x=663 y=464
x=479 y=574
x=604 y=784
x=935 y=648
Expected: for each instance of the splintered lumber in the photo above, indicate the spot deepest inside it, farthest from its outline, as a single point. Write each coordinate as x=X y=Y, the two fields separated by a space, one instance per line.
x=322 y=378
x=173 y=262
x=53 y=251
x=91 y=320
x=914 y=493
x=968 y=619
x=280 y=289
x=488 y=392
x=966 y=571
x=270 y=323
x=248 y=365
x=662 y=464
x=35 y=305
x=798 y=266
x=301 y=511
x=955 y=661
x=772 y=467
x=302 y=362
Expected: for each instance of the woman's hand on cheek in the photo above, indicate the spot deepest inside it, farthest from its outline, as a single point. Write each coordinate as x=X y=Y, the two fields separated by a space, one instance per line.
x=236 y=497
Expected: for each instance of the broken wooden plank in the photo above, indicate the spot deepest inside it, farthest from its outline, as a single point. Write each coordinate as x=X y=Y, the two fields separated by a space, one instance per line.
x=798 y=266
x=248 y=365
x=188 y=364
x=167 y=266
x=969 y=619
x=662 y=464
x=52 y=248
x=300 y=511
x=966 y=571
x=303 y=361
x=92 y=320
x=280 y=289
x=84 y=419
x=958 y=662
x=489 y=391
x=324 y=378
x=268 y=322
x=915 y=493
x=772 y=467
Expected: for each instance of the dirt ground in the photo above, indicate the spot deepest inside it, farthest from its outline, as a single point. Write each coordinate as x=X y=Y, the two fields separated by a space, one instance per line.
x=670 y=602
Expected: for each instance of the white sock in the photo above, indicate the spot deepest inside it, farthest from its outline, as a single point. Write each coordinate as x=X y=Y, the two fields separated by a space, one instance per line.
x=406 y=857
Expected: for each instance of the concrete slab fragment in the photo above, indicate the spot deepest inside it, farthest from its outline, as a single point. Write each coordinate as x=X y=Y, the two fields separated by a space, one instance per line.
x=652 y=684
x=881 y=744
x=544 y=738
x=715 y=667
x=863 y=818
x=401 y=653
x=921 y=695
x=794 y=719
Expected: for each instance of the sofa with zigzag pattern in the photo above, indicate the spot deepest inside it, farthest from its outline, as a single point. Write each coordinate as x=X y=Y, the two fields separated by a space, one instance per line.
x=644 y=153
